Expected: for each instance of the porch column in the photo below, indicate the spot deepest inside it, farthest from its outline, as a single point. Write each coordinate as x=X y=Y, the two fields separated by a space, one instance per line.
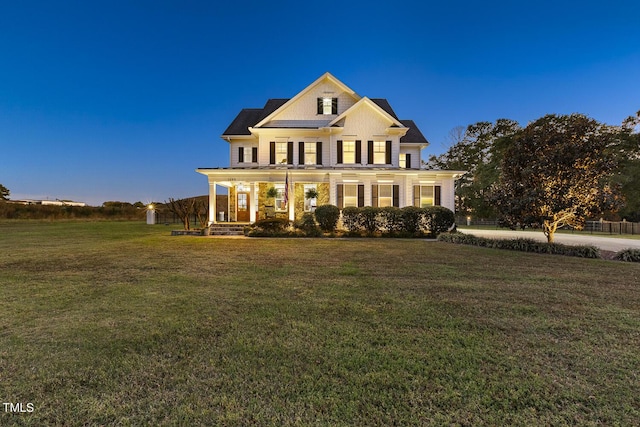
x=212 y=202
x=291 y=205
x=252 y=202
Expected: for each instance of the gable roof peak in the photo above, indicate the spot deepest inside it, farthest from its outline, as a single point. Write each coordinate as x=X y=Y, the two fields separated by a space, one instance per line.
x=326 y=76
x=373 y=105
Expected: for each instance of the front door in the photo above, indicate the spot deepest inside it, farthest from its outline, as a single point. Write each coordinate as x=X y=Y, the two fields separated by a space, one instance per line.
x=243 y=206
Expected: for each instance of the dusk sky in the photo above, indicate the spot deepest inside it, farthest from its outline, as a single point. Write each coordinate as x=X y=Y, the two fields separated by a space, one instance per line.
x=123 y=100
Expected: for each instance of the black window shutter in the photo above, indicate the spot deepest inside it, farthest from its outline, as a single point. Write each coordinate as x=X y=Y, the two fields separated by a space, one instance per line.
x=254 y=154
x=272 y=153
x=370 y=152
x=334 y=105
x=320 y=109
x=436 y=195
x=374 y=196
x=240 y=154
x=408 y=160
x=360 y=195
x=416 y=195
x=319 y=153
x=301 y=153
x=396 y=196
x=388 y=153
x=290 y=153
x=339 y=151
x=340 y=196
x=358 y=152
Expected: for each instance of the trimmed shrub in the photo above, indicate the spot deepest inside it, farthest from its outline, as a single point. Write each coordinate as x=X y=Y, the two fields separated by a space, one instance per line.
x=327 y=217
x=412 y=219
x=390 y=220
x=628 y=255
x=307 y=224
x=368 y=219
x=351 y=219
x=269 y=227
x=439 y=219
x=523 y=245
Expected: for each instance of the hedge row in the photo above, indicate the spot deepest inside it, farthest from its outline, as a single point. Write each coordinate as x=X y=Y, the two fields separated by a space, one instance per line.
x=389 y=221
x=52 y=212
x=407 y=221
x=524 y=245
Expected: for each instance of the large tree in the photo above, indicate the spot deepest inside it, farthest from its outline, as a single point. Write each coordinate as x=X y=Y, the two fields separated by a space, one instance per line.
x=557 y=172
x=628 y=177
x=4 y=192
x=473 y=150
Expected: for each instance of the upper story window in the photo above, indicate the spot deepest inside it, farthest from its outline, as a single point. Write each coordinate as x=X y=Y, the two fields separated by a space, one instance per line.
x=403 y=161
x=281 y=152
x=310 y=157
x=247 y=154
x=379 y=152
x=348 y=152
x=327 y=106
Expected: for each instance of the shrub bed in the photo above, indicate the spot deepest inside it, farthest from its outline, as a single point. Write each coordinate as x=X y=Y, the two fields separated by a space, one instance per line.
x=271 y=227
x=390 y=221
x=524 y=245
x=628 y=255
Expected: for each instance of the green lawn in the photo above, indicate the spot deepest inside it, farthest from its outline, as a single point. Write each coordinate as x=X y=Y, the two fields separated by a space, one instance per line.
x=121 y=324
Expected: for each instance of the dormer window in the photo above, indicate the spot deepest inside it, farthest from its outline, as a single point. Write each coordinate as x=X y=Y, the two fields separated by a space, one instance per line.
x=327 y=106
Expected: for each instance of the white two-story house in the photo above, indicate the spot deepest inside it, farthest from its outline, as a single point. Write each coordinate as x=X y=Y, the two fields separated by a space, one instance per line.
x=353 y=150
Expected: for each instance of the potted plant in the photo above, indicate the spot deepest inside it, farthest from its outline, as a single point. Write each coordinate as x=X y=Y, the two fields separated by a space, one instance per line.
x=312 y=196
x=270 y=210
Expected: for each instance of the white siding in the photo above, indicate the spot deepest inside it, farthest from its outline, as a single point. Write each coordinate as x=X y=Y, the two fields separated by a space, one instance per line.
x=306 y=107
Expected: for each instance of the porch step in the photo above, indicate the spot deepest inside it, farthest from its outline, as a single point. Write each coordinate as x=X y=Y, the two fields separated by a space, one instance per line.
x=226 y=230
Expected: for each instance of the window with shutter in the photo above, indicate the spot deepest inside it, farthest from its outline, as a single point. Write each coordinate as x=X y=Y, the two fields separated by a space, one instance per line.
x=327 y=106
x=319 y=153
x=301 y=153
x=272 y=153
x=387 y=150
x=290 y=153
x=240 y=154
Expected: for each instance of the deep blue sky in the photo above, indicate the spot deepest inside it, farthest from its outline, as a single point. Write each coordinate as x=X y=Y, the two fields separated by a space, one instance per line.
x=123 y=100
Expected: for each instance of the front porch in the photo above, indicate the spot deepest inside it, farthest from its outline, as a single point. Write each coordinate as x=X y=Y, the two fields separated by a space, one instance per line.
x=249 y=201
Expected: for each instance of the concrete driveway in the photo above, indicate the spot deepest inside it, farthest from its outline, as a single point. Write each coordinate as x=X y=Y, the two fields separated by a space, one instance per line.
x=614 y=244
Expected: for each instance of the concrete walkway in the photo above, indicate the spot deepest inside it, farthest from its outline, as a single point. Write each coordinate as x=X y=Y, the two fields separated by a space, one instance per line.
x=614 y=244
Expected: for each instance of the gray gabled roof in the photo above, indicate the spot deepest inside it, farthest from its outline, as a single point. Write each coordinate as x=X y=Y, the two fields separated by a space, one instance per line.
x=413 y=134
x=249 y=117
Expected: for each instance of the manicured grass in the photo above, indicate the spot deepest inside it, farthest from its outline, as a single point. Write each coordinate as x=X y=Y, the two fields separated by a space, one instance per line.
x=121 y=324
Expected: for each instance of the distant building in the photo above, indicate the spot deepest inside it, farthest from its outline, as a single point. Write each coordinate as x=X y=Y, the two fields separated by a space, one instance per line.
x=48 y=202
